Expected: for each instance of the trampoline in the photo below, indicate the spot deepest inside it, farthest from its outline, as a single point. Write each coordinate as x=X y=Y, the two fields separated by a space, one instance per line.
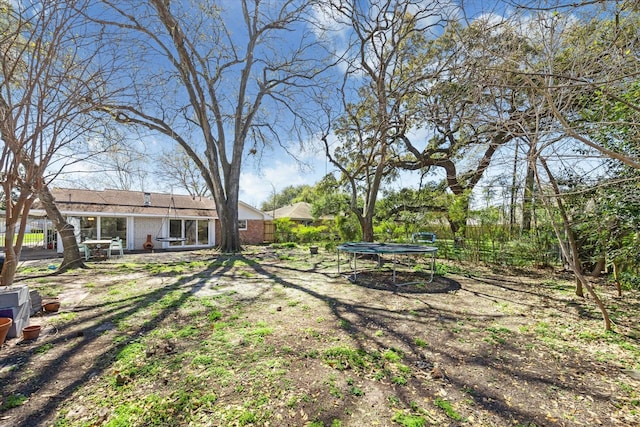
x=379 y=249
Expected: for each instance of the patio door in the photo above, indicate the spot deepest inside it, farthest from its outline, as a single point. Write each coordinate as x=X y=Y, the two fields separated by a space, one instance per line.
x=190 y=232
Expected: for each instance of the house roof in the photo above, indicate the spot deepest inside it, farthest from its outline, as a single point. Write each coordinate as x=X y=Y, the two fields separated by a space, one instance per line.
x=131 y=203
x=300 y=211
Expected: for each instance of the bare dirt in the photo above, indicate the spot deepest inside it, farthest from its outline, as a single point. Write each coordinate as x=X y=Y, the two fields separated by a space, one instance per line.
x=478 y=348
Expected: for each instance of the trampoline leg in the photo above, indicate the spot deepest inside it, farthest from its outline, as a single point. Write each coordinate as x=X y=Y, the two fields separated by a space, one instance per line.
x=355 y=268
x=394 y=269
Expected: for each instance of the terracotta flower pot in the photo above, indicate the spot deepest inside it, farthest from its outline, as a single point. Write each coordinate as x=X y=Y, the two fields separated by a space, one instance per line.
x=51 y=306
x=5 y=324
x=31 y=332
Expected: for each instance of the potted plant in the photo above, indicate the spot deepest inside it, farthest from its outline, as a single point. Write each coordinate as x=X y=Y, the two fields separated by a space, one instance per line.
x=5 y=324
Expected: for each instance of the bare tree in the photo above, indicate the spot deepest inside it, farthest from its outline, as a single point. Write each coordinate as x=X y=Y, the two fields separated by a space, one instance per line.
x=48 y=86
x=176 y=168
x=551 y=43
x=594 y=70
x=221 y=83
x=381 y=73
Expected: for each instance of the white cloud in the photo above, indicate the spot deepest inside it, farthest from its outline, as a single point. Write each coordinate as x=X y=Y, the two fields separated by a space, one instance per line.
x=257 y=187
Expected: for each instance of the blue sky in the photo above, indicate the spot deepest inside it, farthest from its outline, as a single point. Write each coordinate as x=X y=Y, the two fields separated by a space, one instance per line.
x=273 y=169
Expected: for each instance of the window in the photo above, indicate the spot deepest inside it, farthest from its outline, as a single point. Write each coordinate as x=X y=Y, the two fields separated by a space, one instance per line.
x=188 y=232
x=203 y=232
x=113 y=227
x=88 y=228
x=242 y=224
x=175 y=232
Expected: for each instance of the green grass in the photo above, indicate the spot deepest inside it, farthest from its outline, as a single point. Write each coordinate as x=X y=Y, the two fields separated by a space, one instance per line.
x=420 y=342
x=448 y=409
x=343 y=358
x=42 y=349
x=13 y=401
x=408 y=420
x=498 y=334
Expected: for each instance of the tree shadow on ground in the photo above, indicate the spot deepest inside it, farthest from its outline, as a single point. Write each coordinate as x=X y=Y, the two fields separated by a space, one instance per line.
x=77 y=336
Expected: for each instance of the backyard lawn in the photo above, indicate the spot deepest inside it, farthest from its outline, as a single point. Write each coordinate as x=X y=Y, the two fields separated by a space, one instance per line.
x=276 y=337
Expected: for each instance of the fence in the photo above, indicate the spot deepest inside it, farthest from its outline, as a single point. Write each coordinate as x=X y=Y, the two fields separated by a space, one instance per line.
x=39 y=233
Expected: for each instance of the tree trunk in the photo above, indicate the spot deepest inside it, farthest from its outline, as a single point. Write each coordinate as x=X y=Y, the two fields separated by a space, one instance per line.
x=616 y=277
x=514 y=192
x=71 y=254
x=366 y=224
x=527 y=201
x=457 y=215
x=16 y=215
x=597 y=269
x=229 y=233
x=581 y=280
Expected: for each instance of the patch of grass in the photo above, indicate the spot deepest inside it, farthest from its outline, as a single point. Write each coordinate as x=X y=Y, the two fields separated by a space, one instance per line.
x=356 y=391
x=42 y=349
x=13 y=401
x=448 y=409
x=399 y=380
x=49 y=290
x=392 y=355
x=187 y=331
x=420 y=342
x=63 y=317
x=505 y=308
x=344 y=324
x=497 y=334
x=408 y=420
x=214 y=315
x=342 y=358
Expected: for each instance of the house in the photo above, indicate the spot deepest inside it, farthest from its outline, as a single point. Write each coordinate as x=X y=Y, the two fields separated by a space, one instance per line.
x=299 y=213
x=169 y=221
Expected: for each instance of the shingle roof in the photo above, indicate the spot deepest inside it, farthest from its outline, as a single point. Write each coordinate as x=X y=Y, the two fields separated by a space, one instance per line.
x=300 y=211
x=131 y=202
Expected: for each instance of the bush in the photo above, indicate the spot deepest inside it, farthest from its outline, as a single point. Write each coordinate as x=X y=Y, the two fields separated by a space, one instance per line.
x=309 y=233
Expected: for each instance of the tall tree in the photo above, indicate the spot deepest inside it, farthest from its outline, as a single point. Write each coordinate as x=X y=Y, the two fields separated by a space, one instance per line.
x=470 y=110
x=222 y=80
x=49 y=83
x=551 y=38
x=380 y=74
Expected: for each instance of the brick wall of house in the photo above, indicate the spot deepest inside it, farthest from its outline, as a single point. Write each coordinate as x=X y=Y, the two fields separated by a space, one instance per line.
x=253 y=235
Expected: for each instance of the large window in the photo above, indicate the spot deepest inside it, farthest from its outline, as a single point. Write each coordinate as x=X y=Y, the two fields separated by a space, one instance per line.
x=88 y=228
x=113 y=227
x=96 y=227
x=188 y=232
x=203 y=232
x=175 y=232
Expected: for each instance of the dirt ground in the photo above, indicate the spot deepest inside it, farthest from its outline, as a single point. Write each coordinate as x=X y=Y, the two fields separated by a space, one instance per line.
x=476 y=347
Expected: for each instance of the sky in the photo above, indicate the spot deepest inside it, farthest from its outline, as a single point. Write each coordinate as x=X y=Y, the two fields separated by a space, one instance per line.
x=274 y=169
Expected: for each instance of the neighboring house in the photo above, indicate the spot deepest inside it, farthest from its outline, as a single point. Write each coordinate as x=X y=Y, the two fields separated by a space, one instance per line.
x=169 y=221
x=298 y=212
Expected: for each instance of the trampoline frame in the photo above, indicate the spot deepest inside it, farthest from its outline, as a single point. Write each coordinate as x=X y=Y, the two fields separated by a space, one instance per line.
x=394 y=249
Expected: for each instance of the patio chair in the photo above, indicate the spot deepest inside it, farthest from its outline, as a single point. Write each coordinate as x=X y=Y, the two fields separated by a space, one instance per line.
x=84 y=251
x=115 y=245
x=423 y=237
